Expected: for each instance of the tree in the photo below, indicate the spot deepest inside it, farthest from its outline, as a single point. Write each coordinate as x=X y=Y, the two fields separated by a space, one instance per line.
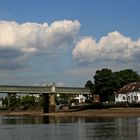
x=103 y=80
x=14 y=102
x=126 y=76
x=28 y=101
x=21 y=103
x=90 y=85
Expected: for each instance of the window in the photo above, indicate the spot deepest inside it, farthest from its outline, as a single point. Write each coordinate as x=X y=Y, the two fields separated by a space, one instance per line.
x=135 y=98
x=128 y=98
x=123 y=97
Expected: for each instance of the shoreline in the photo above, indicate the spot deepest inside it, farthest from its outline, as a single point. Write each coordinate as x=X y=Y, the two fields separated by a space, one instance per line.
x=111 y=112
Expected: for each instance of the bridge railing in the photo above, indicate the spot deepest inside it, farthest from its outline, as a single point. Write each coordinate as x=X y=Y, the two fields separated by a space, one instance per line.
x=25 y=89
x=43 y=89
x=72 y=90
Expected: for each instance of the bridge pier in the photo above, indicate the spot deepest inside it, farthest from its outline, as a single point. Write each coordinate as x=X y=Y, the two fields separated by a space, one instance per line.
x=48 y=103
x=52 y=104
x=45 y=103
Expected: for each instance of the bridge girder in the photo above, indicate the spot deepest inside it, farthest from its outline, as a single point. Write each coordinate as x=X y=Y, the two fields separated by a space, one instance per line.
x=42 y=90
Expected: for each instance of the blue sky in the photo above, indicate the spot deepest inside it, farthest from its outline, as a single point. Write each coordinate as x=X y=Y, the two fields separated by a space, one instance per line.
x=65 y=42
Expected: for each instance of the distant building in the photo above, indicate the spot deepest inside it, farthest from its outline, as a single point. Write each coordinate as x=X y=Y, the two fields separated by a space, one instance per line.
x=95 y=98
x=0 y=104
x=80 y=98
x=129 y=93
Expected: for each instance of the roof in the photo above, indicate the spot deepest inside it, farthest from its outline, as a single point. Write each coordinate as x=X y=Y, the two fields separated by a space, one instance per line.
x=129 y=88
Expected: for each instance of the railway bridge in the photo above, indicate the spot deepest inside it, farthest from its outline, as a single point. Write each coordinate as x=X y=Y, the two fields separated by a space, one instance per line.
x=47 y=92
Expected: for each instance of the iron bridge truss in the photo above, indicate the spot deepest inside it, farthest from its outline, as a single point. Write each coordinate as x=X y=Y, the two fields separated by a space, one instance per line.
x=42 y=90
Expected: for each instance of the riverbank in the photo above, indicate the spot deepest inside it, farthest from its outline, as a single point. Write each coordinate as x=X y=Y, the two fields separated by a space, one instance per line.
x=111 y=112
x=18 y=113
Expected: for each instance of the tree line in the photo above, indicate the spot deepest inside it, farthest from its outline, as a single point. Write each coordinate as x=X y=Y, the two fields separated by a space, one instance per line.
x=106 y=82
x=21 y=103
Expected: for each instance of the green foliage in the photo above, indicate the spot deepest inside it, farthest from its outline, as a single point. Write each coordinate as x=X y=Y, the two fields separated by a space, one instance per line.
x=107 y=82
x=14 y=102
x=90 y=85
x=104 y=84
x=27 y=101
x=20 y=103
x=5 y=101
x=64 y=99
x=127 y=76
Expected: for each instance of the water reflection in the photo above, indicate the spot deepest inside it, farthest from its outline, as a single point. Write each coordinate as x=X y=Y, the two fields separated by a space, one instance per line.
x=61 y=128
x=49 y=120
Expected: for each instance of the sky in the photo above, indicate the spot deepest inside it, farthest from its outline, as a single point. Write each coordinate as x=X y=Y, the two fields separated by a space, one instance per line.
x=65 y=42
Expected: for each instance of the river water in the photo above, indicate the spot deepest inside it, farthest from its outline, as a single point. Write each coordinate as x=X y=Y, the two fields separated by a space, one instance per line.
x=68 y=128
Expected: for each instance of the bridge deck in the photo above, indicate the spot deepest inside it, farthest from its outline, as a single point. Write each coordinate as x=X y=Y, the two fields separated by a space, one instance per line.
x=72 y=90
x=42 y=89
x=25 y=89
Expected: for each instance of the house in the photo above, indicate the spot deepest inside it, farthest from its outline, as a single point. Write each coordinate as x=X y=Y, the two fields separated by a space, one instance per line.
x=80 y=98
x=129 y=93
x=95 y=98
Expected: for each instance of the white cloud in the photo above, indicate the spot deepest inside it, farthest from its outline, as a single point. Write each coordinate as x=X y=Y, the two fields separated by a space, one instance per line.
x=31 y=38
x=114 y=46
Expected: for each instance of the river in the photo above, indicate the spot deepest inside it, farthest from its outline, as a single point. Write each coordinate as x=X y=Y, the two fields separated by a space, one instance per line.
x=68 y=128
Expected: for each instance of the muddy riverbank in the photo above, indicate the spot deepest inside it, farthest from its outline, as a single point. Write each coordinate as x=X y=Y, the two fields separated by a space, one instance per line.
x=111 y=112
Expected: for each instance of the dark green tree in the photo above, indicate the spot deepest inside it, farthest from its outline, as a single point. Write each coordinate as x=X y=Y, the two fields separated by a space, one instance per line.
x=27 y=102
x=90 y=85
x=21 y=103
x=103 y=84
x=127 y=76
x=14 y=102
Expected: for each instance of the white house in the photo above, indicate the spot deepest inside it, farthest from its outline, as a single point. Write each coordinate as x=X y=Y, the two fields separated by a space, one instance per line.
x=80 y=98
x=129 y=93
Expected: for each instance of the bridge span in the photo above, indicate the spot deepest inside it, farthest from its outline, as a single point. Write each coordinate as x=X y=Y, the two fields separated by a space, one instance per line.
x=43 y=90
x=48 y=93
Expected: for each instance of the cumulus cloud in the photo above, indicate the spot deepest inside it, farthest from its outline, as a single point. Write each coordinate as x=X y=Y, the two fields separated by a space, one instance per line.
x=18 y=41
x=11 y=58
x=114 y=46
